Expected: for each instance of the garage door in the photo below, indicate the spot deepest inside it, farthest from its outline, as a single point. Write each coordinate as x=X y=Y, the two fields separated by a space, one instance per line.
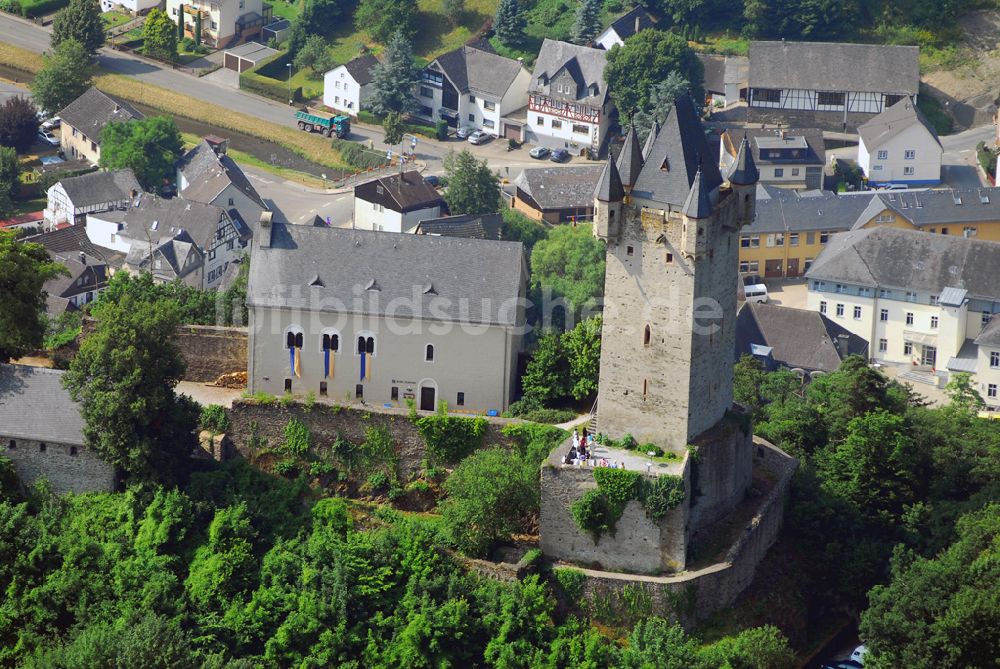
x=511 y=131
x=772 y=268
x=232 y=62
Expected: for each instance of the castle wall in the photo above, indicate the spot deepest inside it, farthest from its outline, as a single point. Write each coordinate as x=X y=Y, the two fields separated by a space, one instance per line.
x=639 y=544
x=723 y=469
x=67 y=467
x=210 y=351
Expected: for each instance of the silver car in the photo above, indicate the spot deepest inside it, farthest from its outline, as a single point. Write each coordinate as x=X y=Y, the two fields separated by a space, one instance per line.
x=479 y=137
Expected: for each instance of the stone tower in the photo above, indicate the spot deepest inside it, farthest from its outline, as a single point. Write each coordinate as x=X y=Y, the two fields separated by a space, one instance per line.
x=671 y=224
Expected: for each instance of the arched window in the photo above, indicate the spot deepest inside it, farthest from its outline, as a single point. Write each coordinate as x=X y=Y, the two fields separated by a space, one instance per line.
x=429 y=353
x=290 y=339
x=645 y=336
x=331 y=341
x=366 y=345
x=294 y=338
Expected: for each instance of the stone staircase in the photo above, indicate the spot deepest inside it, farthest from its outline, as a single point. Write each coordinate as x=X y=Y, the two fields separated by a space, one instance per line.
x=592 y=425
x=936 y=379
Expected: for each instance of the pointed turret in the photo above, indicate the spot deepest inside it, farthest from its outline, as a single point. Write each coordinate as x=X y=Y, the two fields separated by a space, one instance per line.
x=609 y=188
x=698 y=204
x=648 y=146
x=744 y=171
x=630 y=159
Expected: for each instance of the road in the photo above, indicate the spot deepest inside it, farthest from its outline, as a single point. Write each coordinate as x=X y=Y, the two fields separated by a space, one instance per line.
x=958 y=162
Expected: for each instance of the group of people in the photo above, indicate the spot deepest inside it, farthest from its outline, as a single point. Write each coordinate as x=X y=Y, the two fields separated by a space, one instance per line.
x=581 y=452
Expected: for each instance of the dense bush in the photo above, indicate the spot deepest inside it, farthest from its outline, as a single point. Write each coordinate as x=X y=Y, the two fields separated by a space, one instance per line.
x=35 y=8
x=214 y=418
x=451 y=438
x=358 y=156
x=549 y=415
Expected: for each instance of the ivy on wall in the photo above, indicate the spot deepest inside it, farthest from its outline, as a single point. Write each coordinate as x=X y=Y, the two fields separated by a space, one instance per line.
x=599 y=510
x=451 y=438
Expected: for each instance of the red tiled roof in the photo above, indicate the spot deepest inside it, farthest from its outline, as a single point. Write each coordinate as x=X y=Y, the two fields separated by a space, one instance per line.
x=22 y=219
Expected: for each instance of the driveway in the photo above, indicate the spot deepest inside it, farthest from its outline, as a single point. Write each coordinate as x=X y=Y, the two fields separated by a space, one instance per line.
x=224 y=77
x=787 y=292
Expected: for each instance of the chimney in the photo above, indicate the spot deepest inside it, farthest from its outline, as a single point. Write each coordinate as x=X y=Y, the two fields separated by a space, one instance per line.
x=83 y=258
x=636 y=23
x=265 y=230
x=842 y=341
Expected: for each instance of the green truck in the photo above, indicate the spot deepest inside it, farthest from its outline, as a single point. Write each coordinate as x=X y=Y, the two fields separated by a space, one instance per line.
x=311 y=121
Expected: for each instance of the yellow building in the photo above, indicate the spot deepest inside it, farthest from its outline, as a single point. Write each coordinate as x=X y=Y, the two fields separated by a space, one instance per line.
x=792 y=228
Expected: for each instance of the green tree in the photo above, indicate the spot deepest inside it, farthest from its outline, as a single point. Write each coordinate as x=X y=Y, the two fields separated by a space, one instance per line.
x=159 y=36
x=646 y=59
x=10 y=179
x=323 y=16
x=519 y=228
x=18 y=123
x=150 y=146
x=24 y=269
x=394 y=77
x=963 y=393
x=940 y=611
x=65 y=76
x=587 y=22
x=225 y=566
x=661 y=99
x=490 y=494
x=759 y=647
x=393 y=127
x=567 y=265
x=383 y=19
x=582 y=346
x=313 y=54
x=124 y=377
x=80 y=21
x=509 y=22
x=473 y=188
x=454 y=10
x=196 y=307
x=655 y=642
x=547 y=377
x=854 y=390
x=810 y=19
x=748 y=376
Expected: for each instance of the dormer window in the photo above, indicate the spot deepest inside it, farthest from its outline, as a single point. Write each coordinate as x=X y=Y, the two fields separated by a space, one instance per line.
x=541 y=81
x=593 y=89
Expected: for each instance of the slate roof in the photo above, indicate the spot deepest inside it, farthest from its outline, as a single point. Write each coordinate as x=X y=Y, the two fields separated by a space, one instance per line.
x=378 y=273
x=715 y=72
x=93 y=110
x=157 y=220
x=209 y=173
x=470 y=226
x=34 y=405
x=408 y=190
x=952 y=297
x=479 y=70
x=170 y=255
x=71 y=240
x=812 y=153
x=624 y=26
x=630 y=158
x=894 y=120
x=698 y=204
x=560 y=187
x=609 y=187
x=101 y=187
x=675 y=156
x=835 y=66
x=586 y=66
x=911 y=260
x=798 y=338
x=361 y=68
x=66 y=286
x=990 y=335
x=943 y=207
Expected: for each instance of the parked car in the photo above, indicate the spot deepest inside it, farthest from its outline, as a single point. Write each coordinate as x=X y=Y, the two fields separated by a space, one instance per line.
x=559 y=156
x=432 y=180
x=539 y=152
x=479 y=137
x=895 y=187
x=52 y=123
x=463 y=132
x=859 y=654
x=47 y=137
x=754 y=289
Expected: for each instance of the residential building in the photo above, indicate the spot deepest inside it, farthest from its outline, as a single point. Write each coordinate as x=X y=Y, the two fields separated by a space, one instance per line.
x=174 y=239
x=624 y=27
x=207 y=174
x=987 y=370
x=568 y=102
x=921 y=300
x=85 y=118
x=473 y=87
x=785 y=158
x=725 y=79
x=347 y=88
x=791 y=228
x=90 y=267
x=395 y=203
x=387 y=319
x=27 y=223
x=70 y=200
x=782 y=337
x=556 y=194
x=41 y=432
x=900 y=146
x=130 y=6
x=470 y=226
x=835 y=78
x=222 y=22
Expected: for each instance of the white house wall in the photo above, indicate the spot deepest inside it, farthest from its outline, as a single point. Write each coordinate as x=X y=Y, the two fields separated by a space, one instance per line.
x=926 y=162
x=798 y=99
x=341 y=91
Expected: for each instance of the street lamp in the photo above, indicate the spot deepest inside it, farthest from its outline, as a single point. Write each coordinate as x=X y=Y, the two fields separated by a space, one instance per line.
x=289 y=83
x=324 y=181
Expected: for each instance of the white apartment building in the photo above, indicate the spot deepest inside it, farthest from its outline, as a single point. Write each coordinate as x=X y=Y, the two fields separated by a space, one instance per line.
x=900 y=146
x=347 y=87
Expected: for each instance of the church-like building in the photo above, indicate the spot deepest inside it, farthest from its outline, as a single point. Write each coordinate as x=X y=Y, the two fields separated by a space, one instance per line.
x=671 y=223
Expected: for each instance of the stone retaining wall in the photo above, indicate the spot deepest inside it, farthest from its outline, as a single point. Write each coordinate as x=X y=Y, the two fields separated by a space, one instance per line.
x=69 y=468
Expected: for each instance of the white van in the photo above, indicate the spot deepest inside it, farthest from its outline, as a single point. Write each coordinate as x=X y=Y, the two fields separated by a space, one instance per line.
x=754 y=289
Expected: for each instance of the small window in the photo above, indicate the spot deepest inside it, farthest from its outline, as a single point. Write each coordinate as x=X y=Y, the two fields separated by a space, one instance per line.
x=331 y=342
x=394 y=394
x=472 y=98
x=908 y=171
x=994 y=363
x=670 y=257
x=322 y=389
x=909 y=318
x=822 y=306
x=629 y=250
x=460 y=399
x=991 y=391
x=883 y=155
x=12 y=445
x=779 y=172
x=840 y=309
x=883 y=345
x=934 y=322
x=288 y=385
x=909 y=154
x=883 y=315
x=646 y=336
x=42 y=447
x=857 y=313
x=366 y=345
x=359 y=391
x=907 y=348
x=429 y=353
x=72 y=451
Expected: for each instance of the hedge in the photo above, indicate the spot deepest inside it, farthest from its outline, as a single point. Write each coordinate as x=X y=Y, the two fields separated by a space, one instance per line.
x=357 y=156
x=412 y=127
x=257 y=81
x=34 y=8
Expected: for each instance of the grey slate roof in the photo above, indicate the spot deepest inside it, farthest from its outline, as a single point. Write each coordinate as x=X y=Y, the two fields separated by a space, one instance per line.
x=944 y=207
x=798 y=338
x=479 y=70
x=101 y=187
x=715 y=72
x=471 y=280
x=881 y=128
x=829 y=66
x=408 y=190
x=698 y=204
x=470 y=226
x=808 y=141
x=157 y=220
x=361 y=68
x=609 y=186
x=34 y=405
x=744 y=170
x=93 y=110
x=209 y=173
x=72 y=239
x=625 y=25
x=630 y=158
x=952 y=297
x=586 y=66
x=990 y=335
x=650 y=138
x=678 y=152
x=911 y=260
x=560 y=187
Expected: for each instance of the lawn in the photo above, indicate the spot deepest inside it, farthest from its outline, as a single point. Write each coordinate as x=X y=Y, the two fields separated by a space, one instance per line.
x=112 y=19
x=282 y=9
x=547 y=18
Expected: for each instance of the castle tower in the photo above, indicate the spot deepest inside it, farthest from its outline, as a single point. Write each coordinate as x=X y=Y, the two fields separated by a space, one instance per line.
x=608 y=202
x=670 y=285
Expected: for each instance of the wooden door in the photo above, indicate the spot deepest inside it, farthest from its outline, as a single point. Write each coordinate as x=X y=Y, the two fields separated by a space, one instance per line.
x=427 y=398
